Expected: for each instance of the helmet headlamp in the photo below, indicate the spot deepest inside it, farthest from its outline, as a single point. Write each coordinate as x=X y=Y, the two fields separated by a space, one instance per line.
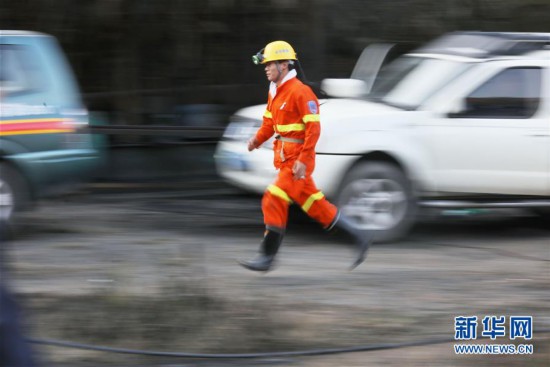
x=258 y=58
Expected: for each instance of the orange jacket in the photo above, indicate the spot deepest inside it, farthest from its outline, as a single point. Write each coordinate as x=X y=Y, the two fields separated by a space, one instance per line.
x=293 y=114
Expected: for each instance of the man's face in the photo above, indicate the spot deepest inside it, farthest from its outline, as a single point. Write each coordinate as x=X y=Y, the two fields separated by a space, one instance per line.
x=272 y=73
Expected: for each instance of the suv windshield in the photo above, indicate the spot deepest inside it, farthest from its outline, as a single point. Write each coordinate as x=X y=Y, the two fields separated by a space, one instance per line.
x=409 y=80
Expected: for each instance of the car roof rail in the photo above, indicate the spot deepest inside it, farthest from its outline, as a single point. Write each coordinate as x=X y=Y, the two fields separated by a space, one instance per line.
x=487 y=44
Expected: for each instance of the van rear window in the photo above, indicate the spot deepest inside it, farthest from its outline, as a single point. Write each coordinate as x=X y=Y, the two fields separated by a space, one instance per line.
x=20 y=71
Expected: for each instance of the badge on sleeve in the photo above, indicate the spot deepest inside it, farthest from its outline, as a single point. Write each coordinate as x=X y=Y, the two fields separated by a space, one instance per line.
x=312 y=107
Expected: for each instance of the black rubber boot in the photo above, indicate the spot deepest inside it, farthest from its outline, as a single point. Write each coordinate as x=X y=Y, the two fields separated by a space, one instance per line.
x=362 y=239
x=268 y=249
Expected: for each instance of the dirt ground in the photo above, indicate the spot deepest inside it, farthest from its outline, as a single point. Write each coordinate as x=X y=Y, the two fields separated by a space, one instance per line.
x=131 y=266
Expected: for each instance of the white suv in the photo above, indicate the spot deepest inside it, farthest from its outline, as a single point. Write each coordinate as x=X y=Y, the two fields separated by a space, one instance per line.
x=461 y=122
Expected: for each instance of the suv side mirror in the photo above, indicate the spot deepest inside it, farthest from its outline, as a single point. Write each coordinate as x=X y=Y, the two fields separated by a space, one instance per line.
x=344 y=88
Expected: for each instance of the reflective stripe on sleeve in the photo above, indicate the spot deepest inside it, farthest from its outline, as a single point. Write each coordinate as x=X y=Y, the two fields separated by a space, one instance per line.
x=310 y=200
x=291 y=127
x=268 y=114
x=311 y=118
x=277 y=191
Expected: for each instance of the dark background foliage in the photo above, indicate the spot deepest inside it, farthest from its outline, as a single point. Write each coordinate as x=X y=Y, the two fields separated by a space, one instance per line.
x=152 y=55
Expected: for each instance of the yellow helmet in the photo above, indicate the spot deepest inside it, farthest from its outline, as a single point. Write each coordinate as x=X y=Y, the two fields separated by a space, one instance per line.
x=275 y=51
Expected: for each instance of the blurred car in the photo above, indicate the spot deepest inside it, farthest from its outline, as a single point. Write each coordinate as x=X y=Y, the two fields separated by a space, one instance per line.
x=44 y=143
x=462 y=122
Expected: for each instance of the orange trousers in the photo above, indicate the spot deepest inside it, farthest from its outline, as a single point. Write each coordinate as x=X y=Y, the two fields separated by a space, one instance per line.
x=285 y=191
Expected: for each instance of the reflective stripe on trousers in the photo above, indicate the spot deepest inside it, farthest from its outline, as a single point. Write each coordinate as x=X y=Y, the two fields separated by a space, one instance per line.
x=286 y=190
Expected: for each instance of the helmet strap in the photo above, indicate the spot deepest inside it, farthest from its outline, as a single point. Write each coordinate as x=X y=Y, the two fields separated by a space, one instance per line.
x=302 y=71
x=278 y=66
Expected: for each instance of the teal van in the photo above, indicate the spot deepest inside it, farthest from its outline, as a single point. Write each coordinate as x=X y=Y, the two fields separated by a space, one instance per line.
x=45 y=147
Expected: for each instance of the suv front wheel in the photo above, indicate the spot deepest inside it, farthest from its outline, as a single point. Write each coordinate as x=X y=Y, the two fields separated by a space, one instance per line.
x=377 y=196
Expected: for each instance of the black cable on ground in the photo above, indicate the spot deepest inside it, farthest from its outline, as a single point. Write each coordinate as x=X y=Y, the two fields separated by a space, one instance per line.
x=311 y=352
x=298 y=353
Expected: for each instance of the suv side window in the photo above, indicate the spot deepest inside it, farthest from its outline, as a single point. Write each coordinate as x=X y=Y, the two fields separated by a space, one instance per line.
x=512 y=93
x=19 y=71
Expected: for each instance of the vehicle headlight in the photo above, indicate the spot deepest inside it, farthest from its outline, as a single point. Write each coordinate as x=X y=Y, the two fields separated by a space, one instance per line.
x=241 y=128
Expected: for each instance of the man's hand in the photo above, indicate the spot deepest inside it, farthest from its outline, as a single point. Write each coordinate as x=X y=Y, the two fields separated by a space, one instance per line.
x=252 y=144
x=299 y=170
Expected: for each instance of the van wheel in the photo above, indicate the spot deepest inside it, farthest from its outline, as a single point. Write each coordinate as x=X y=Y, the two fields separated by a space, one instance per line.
x=14 y=194
x=378 y=197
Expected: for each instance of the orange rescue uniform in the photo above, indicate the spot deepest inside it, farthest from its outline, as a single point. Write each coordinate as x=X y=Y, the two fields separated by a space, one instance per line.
x=293 y=114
